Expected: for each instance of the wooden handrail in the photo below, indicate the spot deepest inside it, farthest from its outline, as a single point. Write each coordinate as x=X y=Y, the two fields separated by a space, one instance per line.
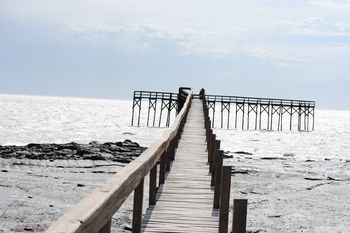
x=95 y=211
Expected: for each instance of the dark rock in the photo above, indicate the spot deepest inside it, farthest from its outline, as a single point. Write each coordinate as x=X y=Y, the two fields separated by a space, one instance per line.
x=28 y=229
x=82 y=152
x=272 y=158
x=81 y=185
x=114 y=147
x=313 y=179
x=65 y=152
x=227 y=155
x=240 y=172
x=69 y=146
x=127 y=141
x=127 y=228
x=242 y=153
x=119 y=144
x=4 y=170
x=29 y=155
x=94 y=143
x=124 y=149
x=34 y=145
x=309 y=160
x=116 y=151
x=317 y=185
x=331 y=178
x=94 y=157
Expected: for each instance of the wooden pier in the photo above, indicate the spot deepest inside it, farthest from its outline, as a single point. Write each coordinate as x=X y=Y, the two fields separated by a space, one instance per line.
x=185 y=203
x=193 y=189
x=229 y=112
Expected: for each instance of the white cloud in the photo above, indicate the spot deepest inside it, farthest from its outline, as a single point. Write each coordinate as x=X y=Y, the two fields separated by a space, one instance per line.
x=146 y=29
x=265 y=30
x=341 y=5
x=314 y=26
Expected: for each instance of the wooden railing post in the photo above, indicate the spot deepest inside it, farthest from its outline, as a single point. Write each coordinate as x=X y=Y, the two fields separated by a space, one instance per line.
x=209 y=146
x=212 y=151
x=175 y=143
x=239 y=216
x=169 y=155
x=162 y=168
x=153 y=185
x=207 y=131
x=218 y=175
x=137 y=212
x=224 y=199
x=215 y=158
x=106 y=228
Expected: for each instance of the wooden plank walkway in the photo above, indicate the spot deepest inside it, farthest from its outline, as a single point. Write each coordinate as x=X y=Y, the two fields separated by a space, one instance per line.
x=185 y=201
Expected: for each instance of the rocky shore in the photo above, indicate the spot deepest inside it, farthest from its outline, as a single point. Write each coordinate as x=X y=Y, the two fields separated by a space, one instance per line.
x=123 y=152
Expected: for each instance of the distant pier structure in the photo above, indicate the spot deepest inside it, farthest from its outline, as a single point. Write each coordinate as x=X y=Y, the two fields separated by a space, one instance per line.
x=157 y=109
x=150 y=100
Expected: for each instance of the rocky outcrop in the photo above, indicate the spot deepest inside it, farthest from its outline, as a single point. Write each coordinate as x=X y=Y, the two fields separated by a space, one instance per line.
x=124 y=152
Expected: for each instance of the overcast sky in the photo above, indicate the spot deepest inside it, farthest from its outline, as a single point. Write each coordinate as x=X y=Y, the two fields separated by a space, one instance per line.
x=108 y=48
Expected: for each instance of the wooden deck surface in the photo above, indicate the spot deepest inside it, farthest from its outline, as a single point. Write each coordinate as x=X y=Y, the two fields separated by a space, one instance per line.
x=185 y=201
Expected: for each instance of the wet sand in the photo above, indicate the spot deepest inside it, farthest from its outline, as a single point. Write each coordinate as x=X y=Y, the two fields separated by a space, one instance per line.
x=284 y=194
x=289 y=195
x=34 y=193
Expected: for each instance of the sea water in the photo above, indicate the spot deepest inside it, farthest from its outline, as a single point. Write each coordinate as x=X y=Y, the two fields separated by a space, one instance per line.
x=28 y=119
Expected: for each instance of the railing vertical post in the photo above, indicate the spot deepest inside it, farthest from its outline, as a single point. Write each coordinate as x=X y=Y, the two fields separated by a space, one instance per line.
x=207 y=129
x=224 y=199
x=106 y=228
x=162 y=168
x=209 y=145
x=168 y=156
x=153 y=185
x=137 y=212
x=175 y=145
x=218 y=175
x=213 y=138
x=210 y=133
x=239 y=221
x=215 y=158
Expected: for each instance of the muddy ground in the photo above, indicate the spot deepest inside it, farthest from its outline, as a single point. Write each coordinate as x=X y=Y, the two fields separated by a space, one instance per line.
x=284 y=194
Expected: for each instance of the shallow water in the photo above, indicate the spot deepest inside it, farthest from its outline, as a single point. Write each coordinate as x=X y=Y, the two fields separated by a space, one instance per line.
x=26 y=119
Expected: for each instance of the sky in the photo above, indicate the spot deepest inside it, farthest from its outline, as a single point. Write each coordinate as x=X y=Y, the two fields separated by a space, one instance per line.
x=297 y=49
